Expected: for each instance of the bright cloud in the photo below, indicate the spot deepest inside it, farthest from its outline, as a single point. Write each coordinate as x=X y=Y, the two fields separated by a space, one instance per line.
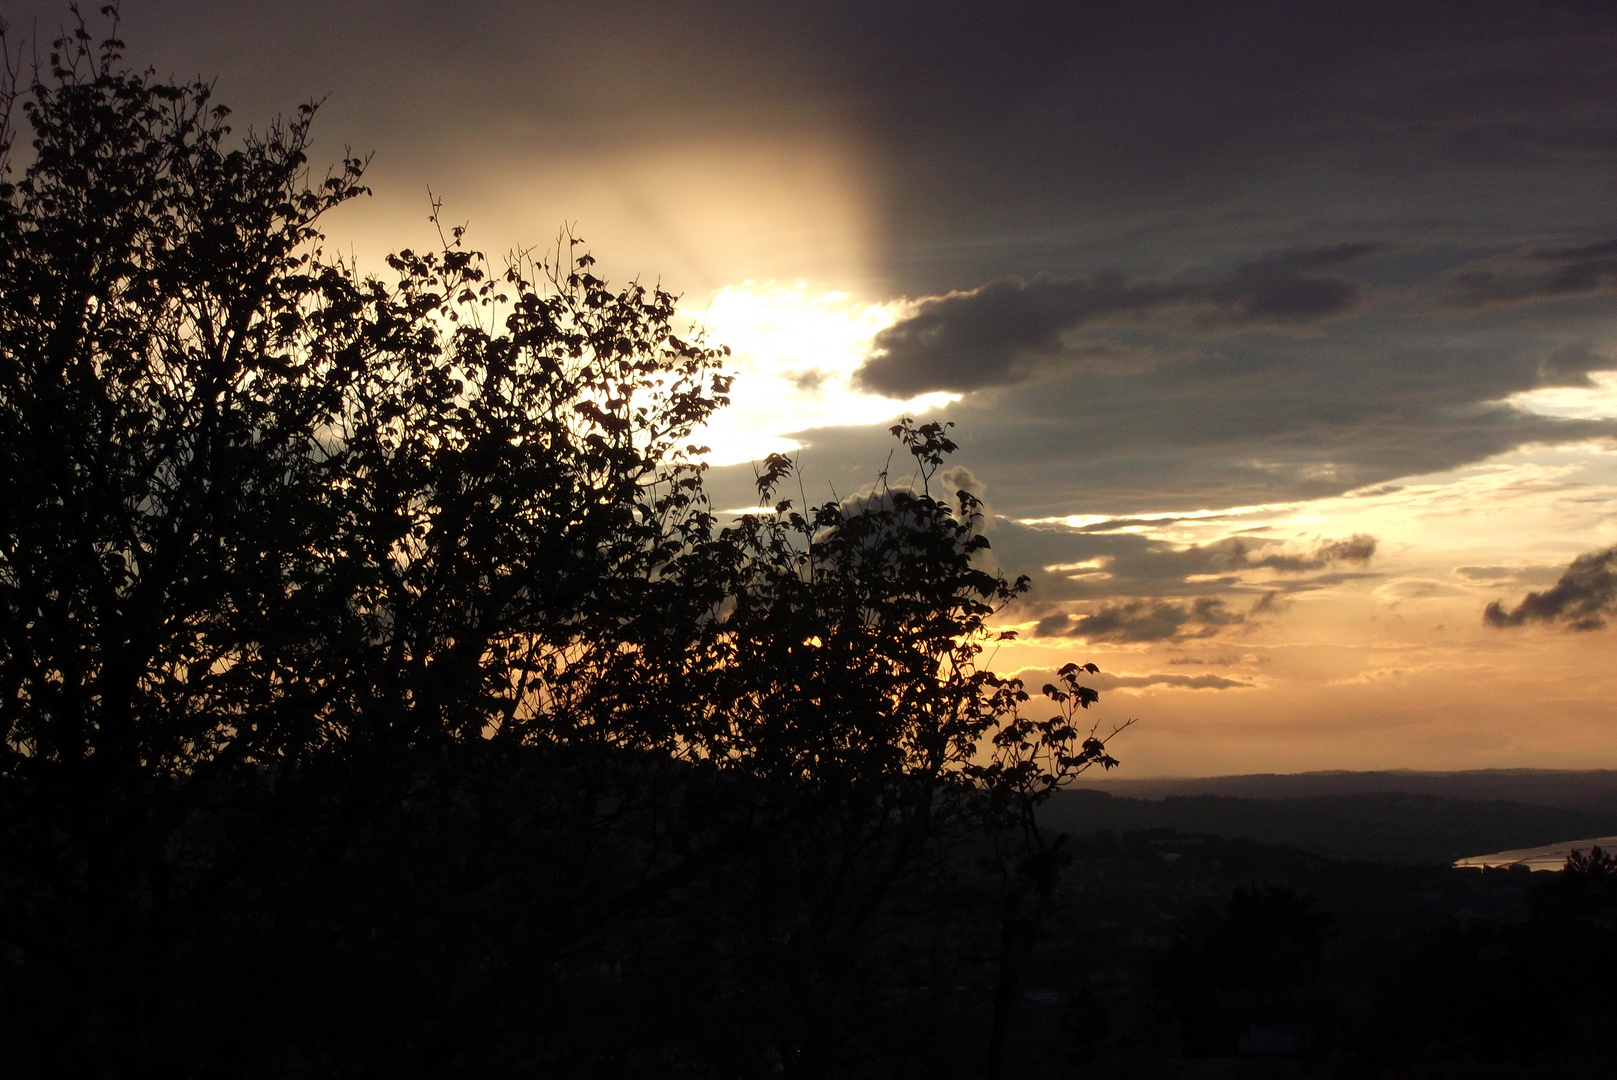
x=1594 y=402
x=794 y=352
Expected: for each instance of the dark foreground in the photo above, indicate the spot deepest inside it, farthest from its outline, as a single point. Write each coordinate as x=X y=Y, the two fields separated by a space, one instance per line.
x=485 y=935
x=1180 y=955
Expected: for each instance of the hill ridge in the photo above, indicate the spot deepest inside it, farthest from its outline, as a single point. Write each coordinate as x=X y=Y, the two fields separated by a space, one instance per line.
x=1592 y=790
x=1392 y=827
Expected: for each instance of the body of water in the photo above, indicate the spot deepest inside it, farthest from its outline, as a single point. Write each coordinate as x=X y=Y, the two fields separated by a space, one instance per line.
x=1544 y=857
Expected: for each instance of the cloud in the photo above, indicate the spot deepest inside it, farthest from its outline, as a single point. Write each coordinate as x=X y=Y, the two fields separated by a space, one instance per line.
x=994 y=137
x=1270 y=603
x=1019 y=140
x=1186 y=682
x=1545 y=274
x=1271 y=555
x=1142 y=621
x=1281 y=290
x=1069 y=563
x=958 y=478
x=1398 y=590
x=1254 y=420
x=1105 y=680
x=1012 y=330
x=1586 y=593
x=1156 y=578
x=1509 y=575
x=1571 y=364
x=1243 y=419
x=1001 y=333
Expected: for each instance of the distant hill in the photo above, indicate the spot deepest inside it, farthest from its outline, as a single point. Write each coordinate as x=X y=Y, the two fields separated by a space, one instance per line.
x=1593 y=790
x=1391 y=827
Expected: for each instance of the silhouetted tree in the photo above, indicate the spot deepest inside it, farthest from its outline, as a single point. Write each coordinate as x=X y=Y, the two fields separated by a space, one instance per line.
x=1585 y=890
x=381 y=695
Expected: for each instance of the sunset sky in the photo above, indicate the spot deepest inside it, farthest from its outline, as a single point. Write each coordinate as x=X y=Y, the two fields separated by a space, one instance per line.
x=1281 y=338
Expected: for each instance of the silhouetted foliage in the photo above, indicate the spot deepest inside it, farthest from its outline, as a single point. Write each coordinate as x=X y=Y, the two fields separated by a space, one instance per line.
x=1586 y=889
x=382 y=696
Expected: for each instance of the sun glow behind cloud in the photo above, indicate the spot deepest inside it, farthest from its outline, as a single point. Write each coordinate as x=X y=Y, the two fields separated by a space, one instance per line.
x=766 y=235
x=1594 y=402
x=695 y=213
x=794 y=352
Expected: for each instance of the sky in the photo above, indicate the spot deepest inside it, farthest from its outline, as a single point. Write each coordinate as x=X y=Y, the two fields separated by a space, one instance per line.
x=1280 y=338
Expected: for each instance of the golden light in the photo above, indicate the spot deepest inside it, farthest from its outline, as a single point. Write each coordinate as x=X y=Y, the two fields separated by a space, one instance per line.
x=794 y=352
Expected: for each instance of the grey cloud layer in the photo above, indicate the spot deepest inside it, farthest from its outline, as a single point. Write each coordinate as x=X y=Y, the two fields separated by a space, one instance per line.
x=1006 y=138
x=1058 y=135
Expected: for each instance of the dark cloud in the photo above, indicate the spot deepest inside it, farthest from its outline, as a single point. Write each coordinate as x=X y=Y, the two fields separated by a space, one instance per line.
x=1314 y=583
x=1152 y=591
x=1010 y=331
x=1284 y=289
x=1004 y=332
x=1586 y=593
x=1140 y=621
x=1270 y=603
x=811 y=379
x=1556 y=273
x=1571 y=364
x=1175 y=419
x=1056 y=625
x=1026 y=139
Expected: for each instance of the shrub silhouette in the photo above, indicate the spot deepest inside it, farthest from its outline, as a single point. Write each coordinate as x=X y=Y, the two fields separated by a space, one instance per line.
x=382 y=696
